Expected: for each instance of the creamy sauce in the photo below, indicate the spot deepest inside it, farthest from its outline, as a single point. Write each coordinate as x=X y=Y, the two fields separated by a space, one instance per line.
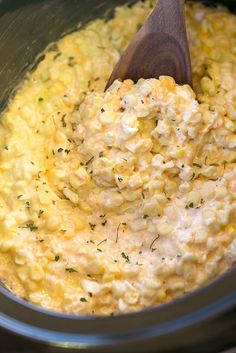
x=113 y=202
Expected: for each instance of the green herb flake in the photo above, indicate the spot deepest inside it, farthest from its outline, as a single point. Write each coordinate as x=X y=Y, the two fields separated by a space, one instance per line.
x=145 y=216
x=104 y=223
x=31 y=226
x=19 y=196
x=101 y=242
x=126 y=257
x=70 y=61
x=138 y=264
x=120 y=179
x=89 y=161
x=60 y=150
x=40 y=213
x=71 y=270
x=197 y=165
x=57 y=258
x=139 y=26
x=153 y=242
x=40 y=99
x=63 y=121
x=56 y=56
x=92 y=226
x=83 y=300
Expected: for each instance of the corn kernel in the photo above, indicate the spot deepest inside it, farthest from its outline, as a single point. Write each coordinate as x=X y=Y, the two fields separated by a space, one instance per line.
x=164 y=228
x=208 y=86
x=108 y=277
x=36 y=272
x=160 y=295
x=72 y=196
x=231 y=230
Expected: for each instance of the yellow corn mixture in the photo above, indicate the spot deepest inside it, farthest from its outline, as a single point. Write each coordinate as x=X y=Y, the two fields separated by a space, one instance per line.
x=113 y=202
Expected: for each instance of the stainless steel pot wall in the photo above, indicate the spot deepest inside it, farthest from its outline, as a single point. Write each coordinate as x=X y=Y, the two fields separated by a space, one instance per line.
x=204 y=321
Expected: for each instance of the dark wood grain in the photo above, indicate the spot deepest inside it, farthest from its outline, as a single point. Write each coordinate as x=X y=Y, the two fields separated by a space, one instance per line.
x=159 y=48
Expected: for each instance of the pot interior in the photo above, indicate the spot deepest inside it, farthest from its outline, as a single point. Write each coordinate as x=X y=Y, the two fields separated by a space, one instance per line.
x=27 y=28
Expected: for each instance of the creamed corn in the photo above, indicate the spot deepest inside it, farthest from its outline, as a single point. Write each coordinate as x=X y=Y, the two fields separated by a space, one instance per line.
x=113 y=202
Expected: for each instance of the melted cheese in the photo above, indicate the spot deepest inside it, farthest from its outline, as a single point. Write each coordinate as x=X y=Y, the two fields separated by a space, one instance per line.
x=112 y=202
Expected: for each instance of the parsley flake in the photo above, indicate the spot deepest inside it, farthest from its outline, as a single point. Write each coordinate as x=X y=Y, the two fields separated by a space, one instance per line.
x=83 y=300
x=63 y=121
x=153 y=242
x=103 y=241
x=197 y=165
x=31 y=226
x=89 y=161
x=71 y=270
x=92 y=226
x=126 y=257
x=56 y=56
x=40 y=213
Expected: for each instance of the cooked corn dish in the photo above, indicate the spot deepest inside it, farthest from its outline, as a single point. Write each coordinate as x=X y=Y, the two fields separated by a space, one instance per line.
x=113 y=202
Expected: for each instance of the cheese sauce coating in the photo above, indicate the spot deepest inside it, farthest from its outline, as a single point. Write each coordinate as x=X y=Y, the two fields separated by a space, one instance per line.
x=113 y=202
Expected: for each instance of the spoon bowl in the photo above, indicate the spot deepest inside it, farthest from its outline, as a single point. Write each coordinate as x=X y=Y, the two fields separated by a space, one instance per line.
x=159 y=48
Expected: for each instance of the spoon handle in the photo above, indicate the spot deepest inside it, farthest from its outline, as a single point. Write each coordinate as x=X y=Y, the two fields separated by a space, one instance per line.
x=168 y=17
x=159 y=48
x=167 y=21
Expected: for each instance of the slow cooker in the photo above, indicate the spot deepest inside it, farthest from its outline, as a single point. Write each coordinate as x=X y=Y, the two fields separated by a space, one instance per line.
x=203 y=321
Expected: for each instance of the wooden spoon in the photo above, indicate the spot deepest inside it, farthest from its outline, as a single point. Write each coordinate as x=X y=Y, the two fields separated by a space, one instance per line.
x=159 y=48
